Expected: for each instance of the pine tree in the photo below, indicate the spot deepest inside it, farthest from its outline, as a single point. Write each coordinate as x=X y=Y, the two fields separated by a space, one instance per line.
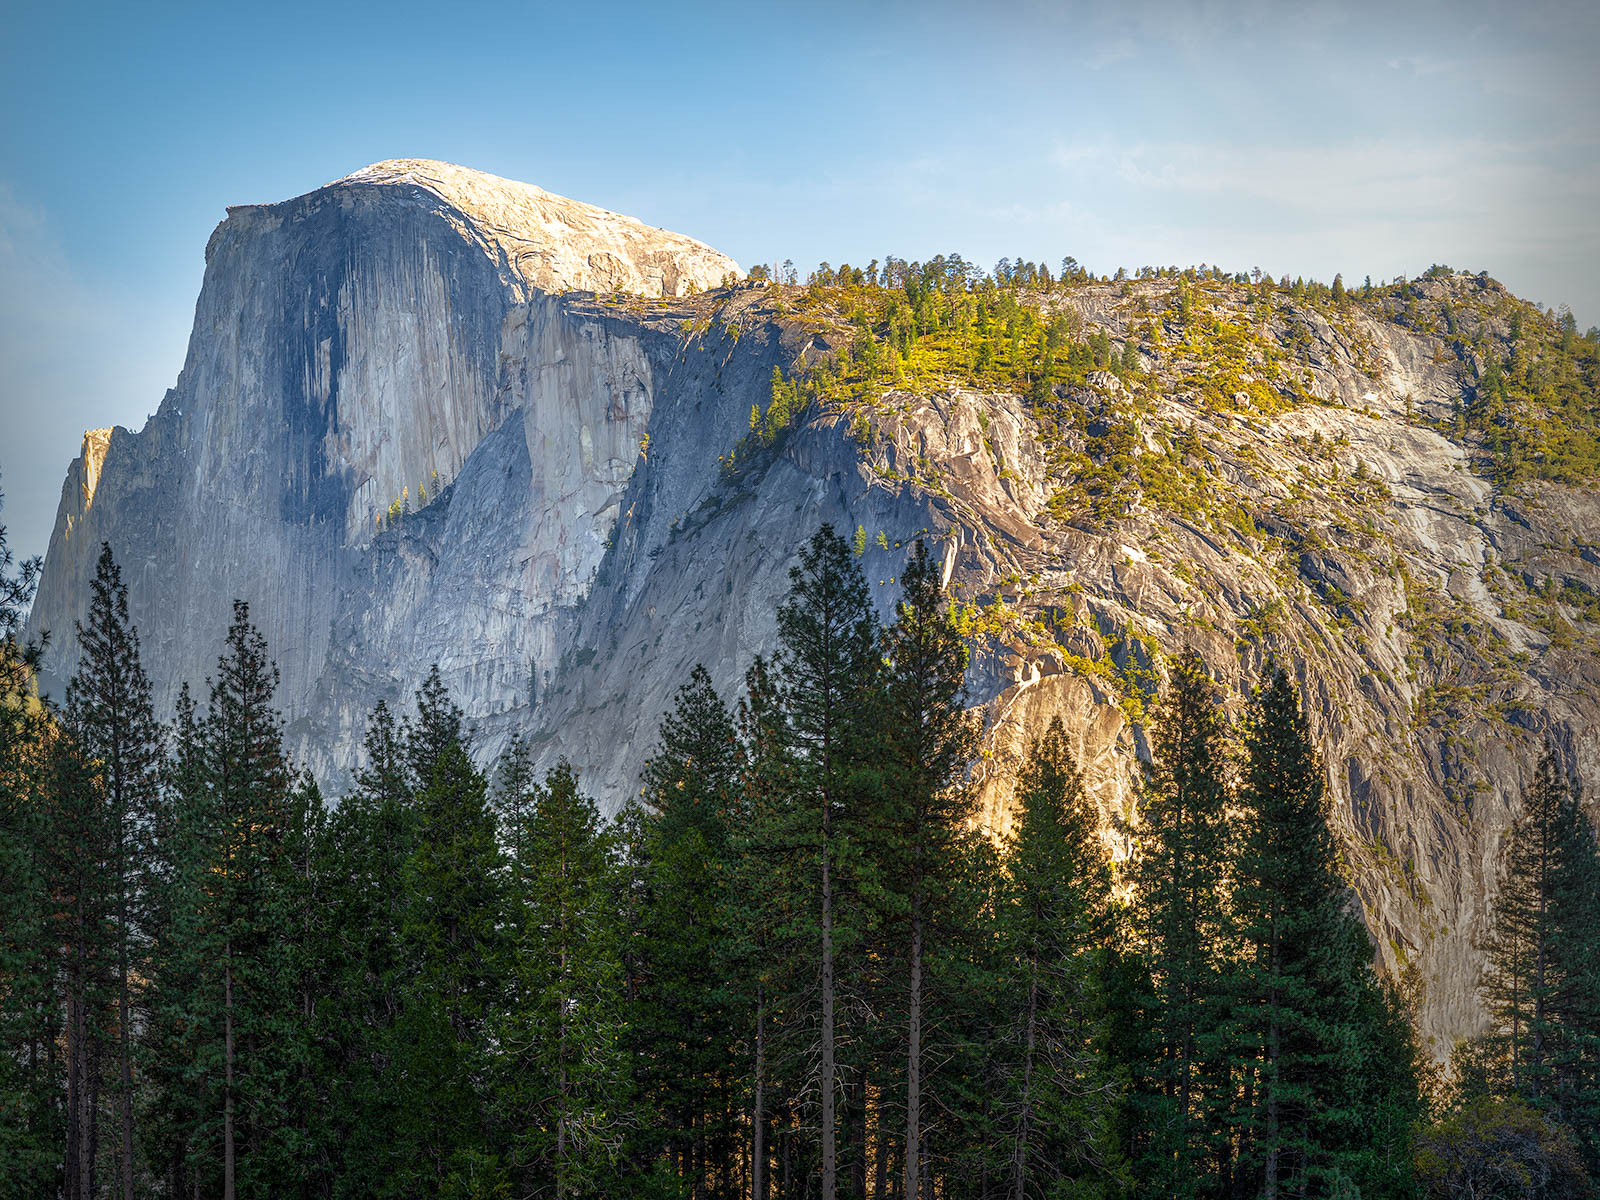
x=828 y=671
x=175 y=1123
x=1542 y=972
x=1308 y=1013
x=1179 y=917
x=1056 y=1102
x=360 y=862
x=110 y=715
x=31 y=1118
x=512 y=799
x=682 y=1026
x=563 y=1075
x=452 y=938
x=929 y=740
x=78 y=841
x=1575 y=1000
x=1521 y=971
x=224 y=978
x=246 y=784
x=30 y=1070
x=761 y=925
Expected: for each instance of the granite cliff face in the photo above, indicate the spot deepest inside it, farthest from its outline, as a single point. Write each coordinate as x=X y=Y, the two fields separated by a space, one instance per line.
x=565 y=384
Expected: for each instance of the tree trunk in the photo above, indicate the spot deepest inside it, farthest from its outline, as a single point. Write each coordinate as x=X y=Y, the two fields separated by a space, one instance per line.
x=758 y=1124
x=914 y=1052
x=830 y=1169
x=1019 y=1159
x=880 y=1166
x=74 y=1148
x=124 y=1038
x=1270 y=1184
x=561 y=1120
x=858 y=1155
x=228 y=1186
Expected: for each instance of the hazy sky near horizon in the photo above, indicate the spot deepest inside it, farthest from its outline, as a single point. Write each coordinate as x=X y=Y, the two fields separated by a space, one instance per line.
x=1308 y=139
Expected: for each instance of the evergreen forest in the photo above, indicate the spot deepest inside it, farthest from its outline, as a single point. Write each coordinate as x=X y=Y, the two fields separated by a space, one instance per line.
x=794 y=967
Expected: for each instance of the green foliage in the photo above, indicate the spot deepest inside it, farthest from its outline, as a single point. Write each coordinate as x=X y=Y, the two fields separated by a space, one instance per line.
x=452 y=938
x=1331 y=1092
x=562 y=1074
x=795 y=967
x=1542 y=972
x=1500 y=1150
x=684 y=1024
x=1181 y=1085
x=1056 y=1090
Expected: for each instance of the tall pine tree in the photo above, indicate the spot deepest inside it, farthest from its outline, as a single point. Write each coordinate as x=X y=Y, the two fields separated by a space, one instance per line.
x=1056 y=1099
x=829 y=672
x=683 y=1024
x=1181 y=1089
x=452 y=934
x=929 y=741
x=1308 y=1014
x=563 y=1075
x=110 y=715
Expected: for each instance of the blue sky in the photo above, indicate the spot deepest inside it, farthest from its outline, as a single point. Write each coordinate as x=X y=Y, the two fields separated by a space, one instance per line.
x=1301 y=138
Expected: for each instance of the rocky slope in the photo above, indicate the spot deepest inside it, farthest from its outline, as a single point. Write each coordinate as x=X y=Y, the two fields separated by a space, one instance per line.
x=572 y=392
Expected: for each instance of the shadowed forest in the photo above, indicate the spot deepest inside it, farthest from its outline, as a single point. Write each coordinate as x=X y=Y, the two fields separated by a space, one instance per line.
x=792 y=966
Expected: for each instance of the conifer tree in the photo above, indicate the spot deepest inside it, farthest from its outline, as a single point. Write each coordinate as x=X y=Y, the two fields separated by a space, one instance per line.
x=1308 y=1013
x=225 y=978
x=761 y=925
x=1575 y=1001
x=1542 y=972
x=246 y=786
x=31 y=1125
x=1057 y=1089
x=512 y=798
x=177 y=1125
x=30 y=1083
x=563 y=1073
x=77 y=860
x=682 y=1020
x=110 y=715
x=829 y=675
x=359 y=867
x=929 y=740
x=1521 y=971
x=452 y=934
x=1179 y=919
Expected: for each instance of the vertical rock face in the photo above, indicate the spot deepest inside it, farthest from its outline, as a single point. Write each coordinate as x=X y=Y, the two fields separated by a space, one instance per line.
x=548 y=393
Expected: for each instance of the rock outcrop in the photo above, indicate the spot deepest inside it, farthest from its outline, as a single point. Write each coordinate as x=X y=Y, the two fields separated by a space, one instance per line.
x=430 y=416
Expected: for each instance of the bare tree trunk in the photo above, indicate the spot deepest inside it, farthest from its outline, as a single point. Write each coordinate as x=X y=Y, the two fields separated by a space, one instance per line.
x=228 y=1183
x=758 y=1132
x=880 y=1166
x=1270 y=1188
x=561 y=1121
x=91 y=1110
x=914 y=1052
x=1019 y=1156
x=855 y=1119
x=125 y=1039
x=830 y=1169
x=74 y=1154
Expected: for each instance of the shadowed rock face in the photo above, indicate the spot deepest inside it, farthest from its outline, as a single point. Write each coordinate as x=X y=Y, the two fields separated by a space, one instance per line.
x=418 y=326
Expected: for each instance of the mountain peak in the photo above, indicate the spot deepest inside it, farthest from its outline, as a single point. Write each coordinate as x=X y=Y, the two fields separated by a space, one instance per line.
x=554 y=243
